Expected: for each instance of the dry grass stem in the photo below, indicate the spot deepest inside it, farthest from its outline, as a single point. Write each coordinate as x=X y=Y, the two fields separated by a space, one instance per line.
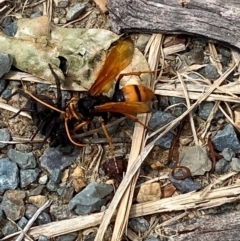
x=14 y=110
x=16 y=75
x=190 y=113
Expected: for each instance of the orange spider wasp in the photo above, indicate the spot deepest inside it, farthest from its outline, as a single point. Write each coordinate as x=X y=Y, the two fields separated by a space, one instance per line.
x=129 y=100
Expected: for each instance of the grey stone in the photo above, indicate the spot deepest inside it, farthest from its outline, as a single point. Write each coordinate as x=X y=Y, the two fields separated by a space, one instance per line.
x=226 y=138
x=11 y=29
x=209 y=72
x=4 y=136
x=67 y=237
x=186 y=185
x=22 y=222
x=63 y=3
x=196 y=159
x=35 y=15
x=43 y=218
x=9 y=228
x=2 y=84
x=139 y=225
x=228 y=154
x=165 y=141
x=53 y=158
x=13 y=205
x=43 y=238
x=9 y=175
x=52 y=186
x=42 y=87
x=28 y=176
x=75 y=11
x=205 y=109
x=222 y=166
x=65 y=193
x=91 y=199
x=56 y=175
x=179 y=109
x=235 y=164
x=2 y=216
x=61 y=212
x=36 y=191
x=6 y=93
x=5 y=63
x=24 y=160
x=158 y=120
x=152 y=239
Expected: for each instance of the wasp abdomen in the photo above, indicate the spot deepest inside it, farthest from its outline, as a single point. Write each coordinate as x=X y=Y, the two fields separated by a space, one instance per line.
x=137 y=93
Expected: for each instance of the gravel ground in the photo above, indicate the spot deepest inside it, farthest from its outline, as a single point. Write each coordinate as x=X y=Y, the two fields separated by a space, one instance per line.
x=82 y=181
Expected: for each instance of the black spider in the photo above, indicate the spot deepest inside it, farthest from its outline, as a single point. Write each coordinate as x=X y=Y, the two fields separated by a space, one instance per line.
x=49 y=122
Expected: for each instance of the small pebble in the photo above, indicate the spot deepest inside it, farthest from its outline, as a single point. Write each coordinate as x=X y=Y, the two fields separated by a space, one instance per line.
x=6 y=63
x=24 y=160
x=209 y=72
x=56 y=20
x=63 y=21
x=67 y=237
x=22 y=222
x=91 y=199
x=53 y=158
x=11 y=29
x=228 y=154
x=56 y=175
x=43 y=179
x=226 y=138
x=43 y=238
x=43 y=218
x=4 y=136
x=6 y=93
x=2 y=84
x=139 y=225
x=75 y=11
x=188 y=158
x=222 y=166
x=158 y=120
x=186 y=185
x=9 y=175
x=52 y=186
x=235 y=164
x=63 y=3
x=152 y=239
x=205 y=109
x=13 y=205
x=9 y=228
x=28 y=176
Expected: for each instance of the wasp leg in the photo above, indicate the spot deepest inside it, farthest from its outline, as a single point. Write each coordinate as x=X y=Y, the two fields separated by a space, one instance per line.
x=135 y=119
x=69 y=136
x=108 y=138
x=79 y=126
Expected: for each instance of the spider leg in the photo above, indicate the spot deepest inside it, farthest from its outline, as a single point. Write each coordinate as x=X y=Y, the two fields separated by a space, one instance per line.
x=48 y=134
x=23 y=109
x=58 y=85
